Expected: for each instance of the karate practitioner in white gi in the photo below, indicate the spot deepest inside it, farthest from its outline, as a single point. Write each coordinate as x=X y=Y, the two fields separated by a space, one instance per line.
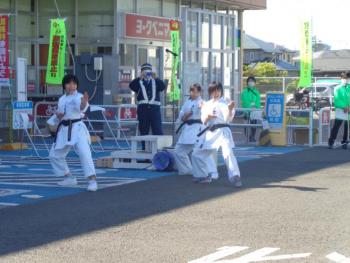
x=190 y=116
x=72 y=132
x=216 y=114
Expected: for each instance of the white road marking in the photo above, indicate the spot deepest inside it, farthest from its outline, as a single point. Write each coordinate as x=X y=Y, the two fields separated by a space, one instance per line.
x=339 y=258
x=32 y=196
x=8 y=204
x=221 y=253
x=256 y=256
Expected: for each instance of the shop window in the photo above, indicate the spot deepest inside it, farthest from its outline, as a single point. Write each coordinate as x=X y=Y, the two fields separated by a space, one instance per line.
x=186 y=3
x=47 y=11
x=192 y=28
x=217 y=32
x=26 y=5
x=205 y=31
x=104 y=50
x=217 y=70
x=96 y=26
x=127 y=55
x=125 y=6
x=198 y=5
x=44 y=25
x=96 y=6
x=170 y=8
x=87 y=49
x=150 y=7
x=26 y=50
x=65 y=6
x=26 y=26
x=5 y=5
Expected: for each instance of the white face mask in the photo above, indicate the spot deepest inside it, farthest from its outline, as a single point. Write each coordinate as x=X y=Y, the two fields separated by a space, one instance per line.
x=344 y=81
x=251 y=84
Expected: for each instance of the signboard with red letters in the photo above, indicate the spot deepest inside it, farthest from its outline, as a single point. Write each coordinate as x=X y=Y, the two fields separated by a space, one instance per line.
x=45 y=109
x=326 y=117
x=147 y=27
x=4 y=51
x=128 y=113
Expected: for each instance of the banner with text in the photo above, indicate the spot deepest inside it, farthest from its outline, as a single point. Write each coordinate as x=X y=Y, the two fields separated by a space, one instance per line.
x=4 y=51
x=57 y=52
x=176 y=48
x=305 y=55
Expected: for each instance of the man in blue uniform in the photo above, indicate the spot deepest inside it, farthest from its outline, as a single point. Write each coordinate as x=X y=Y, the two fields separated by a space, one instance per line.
x=147 y=89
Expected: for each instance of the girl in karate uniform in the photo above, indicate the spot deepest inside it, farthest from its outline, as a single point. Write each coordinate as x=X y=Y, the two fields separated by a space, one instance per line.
x=216 y=114
x=190 y=116
x=72 y=131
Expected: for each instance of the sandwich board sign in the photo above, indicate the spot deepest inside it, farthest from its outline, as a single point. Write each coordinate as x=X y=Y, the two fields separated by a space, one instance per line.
x=20 y=107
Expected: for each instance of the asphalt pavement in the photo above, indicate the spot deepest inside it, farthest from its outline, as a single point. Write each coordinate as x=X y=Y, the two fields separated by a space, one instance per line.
x=293 y=208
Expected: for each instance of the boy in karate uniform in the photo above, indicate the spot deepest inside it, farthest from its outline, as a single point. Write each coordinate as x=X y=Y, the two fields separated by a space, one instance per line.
x=190 y=115
x=216 y=114
x=72 y=131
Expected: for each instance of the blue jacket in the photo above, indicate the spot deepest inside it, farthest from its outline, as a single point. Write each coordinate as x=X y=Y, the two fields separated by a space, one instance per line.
x=136 y=87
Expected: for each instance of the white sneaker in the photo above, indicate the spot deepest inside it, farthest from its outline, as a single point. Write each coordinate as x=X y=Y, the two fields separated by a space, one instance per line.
x=214 y=176
x=92 y=186
x=236 y=181
x=69 y=181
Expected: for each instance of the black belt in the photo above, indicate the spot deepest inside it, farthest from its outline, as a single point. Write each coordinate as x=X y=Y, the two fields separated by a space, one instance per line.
x=66 y=123
x=213 y=128
x=188 y=122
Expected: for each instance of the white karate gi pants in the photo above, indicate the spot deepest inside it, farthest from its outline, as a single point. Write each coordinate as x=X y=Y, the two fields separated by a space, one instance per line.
x=82 y=147
x=183 y=162
x=201 y=166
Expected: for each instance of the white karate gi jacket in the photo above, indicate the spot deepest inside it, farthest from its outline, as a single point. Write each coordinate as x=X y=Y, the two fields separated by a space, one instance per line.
x=222 y=136
x=69 y=105
x=189 y=132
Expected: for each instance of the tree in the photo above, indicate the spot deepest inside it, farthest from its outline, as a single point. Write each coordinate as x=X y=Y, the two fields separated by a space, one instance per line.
x=261 y=69
x=266 y=69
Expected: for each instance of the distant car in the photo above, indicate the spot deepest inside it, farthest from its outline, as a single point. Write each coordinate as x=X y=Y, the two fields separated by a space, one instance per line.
x=322 y=94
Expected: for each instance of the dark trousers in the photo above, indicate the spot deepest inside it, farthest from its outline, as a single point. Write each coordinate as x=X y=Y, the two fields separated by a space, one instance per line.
x=149 y=117
x=252 y=130
x=335 y=129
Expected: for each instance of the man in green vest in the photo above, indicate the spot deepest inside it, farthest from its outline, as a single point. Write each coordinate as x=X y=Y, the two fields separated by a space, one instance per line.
x=251 y=100
x=342 y=105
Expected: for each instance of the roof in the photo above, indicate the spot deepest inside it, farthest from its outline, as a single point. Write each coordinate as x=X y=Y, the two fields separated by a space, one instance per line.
x=284 y=65
x=332 y=60
x=280 y=65
x=251 y=42
x=241 y=4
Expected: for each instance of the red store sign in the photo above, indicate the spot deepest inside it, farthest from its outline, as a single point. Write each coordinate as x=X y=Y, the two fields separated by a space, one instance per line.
x=147 y=27
x=45 y=109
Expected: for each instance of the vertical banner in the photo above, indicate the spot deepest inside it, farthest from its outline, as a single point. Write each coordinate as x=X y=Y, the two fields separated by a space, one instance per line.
x=57 y=52
x=175 y=47
x=4 y=51
x=305 y=55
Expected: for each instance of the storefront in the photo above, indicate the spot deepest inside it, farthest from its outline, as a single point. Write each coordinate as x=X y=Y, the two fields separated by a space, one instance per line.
x=135 y=31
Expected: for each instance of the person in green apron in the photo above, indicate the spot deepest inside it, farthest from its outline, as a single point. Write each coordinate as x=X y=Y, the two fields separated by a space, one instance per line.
x=342 y=105
x=251 y=100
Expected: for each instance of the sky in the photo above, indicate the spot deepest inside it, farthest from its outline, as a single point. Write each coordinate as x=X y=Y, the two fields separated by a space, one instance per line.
x=280 y=23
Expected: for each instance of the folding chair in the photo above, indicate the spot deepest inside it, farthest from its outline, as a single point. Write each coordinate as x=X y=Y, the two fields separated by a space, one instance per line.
x=92 y=130
x=110 y=117
x=26 y=119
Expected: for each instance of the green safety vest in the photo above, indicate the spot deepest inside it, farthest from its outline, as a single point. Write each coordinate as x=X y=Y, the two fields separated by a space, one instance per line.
x=250 y=98
x=342 y=97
